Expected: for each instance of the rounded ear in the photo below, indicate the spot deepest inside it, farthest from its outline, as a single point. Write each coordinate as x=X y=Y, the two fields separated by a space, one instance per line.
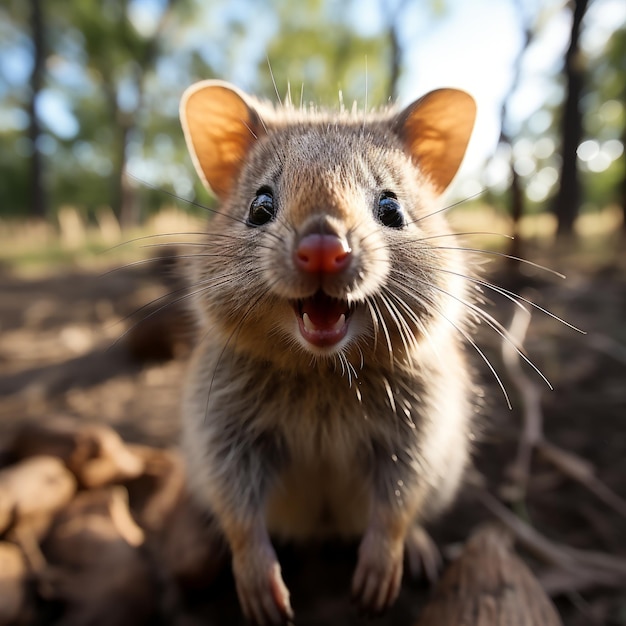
x=220 y=127
x=436 y=130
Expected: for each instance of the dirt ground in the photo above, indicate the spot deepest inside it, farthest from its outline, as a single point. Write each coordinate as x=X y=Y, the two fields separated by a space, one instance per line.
x=69 y=347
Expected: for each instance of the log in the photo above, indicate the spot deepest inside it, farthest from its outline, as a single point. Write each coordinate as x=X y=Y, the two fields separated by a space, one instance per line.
x=489 y=585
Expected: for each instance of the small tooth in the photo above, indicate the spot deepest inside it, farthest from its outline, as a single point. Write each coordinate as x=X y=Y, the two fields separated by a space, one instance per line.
x=340 y=322
x=308 y=324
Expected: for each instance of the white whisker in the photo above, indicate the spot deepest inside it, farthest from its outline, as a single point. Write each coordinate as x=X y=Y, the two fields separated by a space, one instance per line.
x=385 y=330
x=467 y=338
x=506 y=256
x=493 y=324
x=510 y=295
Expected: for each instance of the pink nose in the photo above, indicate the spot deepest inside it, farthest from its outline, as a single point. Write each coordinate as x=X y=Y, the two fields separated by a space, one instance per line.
x=322 y=253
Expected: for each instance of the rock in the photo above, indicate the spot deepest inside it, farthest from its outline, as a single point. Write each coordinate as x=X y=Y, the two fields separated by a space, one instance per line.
x=488 y=585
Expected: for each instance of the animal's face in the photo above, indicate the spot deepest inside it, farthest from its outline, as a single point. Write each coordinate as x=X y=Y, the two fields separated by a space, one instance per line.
x=326 y=227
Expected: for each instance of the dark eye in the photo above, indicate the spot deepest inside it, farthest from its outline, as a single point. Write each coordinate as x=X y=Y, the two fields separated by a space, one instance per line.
x=262 y=208
x=389 y=211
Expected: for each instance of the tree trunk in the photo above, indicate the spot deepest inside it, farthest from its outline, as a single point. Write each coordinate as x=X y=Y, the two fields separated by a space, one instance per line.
x=568 y=199
x=38 y=202
x=517 y=193
x=122 y=195
x=396 y=53
x=621 y=198
x=517 y=211
x=395 y=62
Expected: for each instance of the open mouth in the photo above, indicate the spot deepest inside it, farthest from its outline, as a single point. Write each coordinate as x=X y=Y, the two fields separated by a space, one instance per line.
x=323 y=321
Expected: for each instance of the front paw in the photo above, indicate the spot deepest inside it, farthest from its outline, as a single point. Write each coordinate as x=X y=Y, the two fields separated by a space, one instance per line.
x=377 y=578
x=263 y=595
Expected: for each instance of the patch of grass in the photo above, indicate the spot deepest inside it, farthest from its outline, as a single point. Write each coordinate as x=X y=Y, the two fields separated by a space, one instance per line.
x=37 y=247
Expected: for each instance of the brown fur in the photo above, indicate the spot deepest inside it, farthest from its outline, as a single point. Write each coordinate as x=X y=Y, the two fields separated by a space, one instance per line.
x=367 y=437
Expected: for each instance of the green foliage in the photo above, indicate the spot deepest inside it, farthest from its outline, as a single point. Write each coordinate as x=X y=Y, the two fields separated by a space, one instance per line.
x=117 y=68
x=605 y=105
x=120 y=66
x=603 y=112
x=318 y=55
x=14 y=174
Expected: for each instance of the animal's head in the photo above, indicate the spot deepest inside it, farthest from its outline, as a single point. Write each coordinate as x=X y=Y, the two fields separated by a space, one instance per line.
x=327 y=220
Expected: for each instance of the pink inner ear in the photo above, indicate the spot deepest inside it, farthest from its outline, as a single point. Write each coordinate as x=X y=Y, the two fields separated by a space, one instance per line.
x=220 y=127
x=436 y=130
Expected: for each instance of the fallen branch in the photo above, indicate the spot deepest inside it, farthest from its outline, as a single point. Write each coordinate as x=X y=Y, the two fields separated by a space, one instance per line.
x=572 y=569
x=532 y=435
x=583 y=472
x=532 y=415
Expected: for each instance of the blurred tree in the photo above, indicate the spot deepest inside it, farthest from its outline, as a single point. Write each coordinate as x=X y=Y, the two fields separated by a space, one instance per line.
x=15 y=148
x=617 y=52
x=505 y=139
x=111 y=79
x=568 y=199
x=119 y=58
x=112 y=74
x=394 y=20
x=606 y=124
x=538 y=142
x=318 y=48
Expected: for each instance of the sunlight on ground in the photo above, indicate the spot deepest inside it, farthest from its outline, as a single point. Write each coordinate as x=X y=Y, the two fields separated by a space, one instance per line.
x=597 y=235
x=30 y=247
x=541 y=226
x=33 y=247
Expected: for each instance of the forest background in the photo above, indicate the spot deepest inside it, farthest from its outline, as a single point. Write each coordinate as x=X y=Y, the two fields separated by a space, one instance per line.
x=89 y=95
x=98 y=196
